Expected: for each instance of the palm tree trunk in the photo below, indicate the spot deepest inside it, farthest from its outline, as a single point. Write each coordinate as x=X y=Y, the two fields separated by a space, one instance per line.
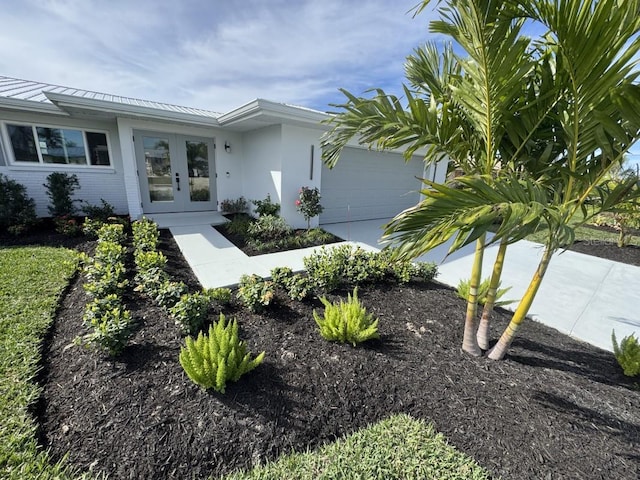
x=469 y=342
x=483 y=329
x=500 y=349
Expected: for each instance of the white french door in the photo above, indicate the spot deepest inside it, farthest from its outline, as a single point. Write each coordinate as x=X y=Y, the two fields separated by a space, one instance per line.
x=176 y=172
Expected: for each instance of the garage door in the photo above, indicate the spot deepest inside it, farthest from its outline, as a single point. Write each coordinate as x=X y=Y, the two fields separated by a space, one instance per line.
x=367 y=185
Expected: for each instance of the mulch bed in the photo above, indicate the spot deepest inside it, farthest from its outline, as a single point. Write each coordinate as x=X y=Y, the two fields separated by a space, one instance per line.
x=240 y=241
x=555 y=408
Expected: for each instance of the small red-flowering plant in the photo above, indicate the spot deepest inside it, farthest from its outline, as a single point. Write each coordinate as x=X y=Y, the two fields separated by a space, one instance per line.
x=308 y=203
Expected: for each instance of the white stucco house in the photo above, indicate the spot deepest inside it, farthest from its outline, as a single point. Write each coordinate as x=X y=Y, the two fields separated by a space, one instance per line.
x=146 y=157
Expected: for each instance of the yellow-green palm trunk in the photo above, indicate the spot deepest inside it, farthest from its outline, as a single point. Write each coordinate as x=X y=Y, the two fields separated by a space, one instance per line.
x=500 y=349
x=469 y=342
x=483 y=329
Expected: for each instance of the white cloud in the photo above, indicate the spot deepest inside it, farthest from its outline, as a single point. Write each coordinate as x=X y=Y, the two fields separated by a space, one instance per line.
x=215 y=55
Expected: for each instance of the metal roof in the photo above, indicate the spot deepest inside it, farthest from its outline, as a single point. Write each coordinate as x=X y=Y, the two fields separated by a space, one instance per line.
x=18 y=89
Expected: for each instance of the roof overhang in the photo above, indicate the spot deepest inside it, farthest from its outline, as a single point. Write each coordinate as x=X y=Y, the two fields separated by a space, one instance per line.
x=263 y=113
x=30 y=106
x=103 y=108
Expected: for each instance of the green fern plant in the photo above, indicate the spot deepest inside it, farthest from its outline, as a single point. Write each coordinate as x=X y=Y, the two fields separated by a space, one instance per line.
x=464 y=286
x=214 y=359
x=627 y=354
x=346 y=321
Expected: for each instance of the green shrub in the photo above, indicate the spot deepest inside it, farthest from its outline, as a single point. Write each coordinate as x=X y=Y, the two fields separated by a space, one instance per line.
x=90 y=227
x=280 y=276
x=150 y=281
x=99 y=212
x=105 y=279
x=145 y=234
x=346 y=321
x=483 y=290
x=191 y=311
x=298 y=287
x=67 y=225
x=168 y=293
x=239 y=225
x=60 y=188
x=147 y=260
x=214 y=359
x=221 y=296
x=238 y=205
x=329 y=268
x=255 y=292
x=17 y=209
x=627 y=354
x=110 y=323
x=266 y=207
x=269 y=228
x=109 y=232
x=109 y=252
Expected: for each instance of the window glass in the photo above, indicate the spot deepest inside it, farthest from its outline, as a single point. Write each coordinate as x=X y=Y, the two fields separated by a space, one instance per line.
x=61 y=145
x=23 y=143
x=98 y=151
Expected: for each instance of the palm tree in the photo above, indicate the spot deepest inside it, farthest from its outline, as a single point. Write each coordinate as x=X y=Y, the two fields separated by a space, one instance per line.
x=591 y=125
x=457 y=107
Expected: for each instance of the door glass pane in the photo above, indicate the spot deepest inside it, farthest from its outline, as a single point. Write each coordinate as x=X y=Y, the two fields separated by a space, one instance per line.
x=158 y=164
x=198 y=164
x=61 y=145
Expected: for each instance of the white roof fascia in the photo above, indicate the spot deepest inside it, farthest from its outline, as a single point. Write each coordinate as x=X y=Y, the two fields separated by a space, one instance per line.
x=262 y=108
x=62 y=101
x=31 y=106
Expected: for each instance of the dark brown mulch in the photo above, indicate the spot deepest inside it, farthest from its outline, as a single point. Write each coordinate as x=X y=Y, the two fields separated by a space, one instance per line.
x=555 y=408
x=609 y=250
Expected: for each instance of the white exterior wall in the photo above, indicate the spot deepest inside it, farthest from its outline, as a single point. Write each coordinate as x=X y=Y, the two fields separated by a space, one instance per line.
x=296 y=170
x=95 y=182
x=229 y=167
x=262 y=164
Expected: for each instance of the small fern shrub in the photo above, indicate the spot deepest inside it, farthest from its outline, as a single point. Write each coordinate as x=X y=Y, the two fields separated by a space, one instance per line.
x=483 y=290
x=255 y=292
x=627 y=354
x=346 y=321
x=214 y=359
x=191 y=311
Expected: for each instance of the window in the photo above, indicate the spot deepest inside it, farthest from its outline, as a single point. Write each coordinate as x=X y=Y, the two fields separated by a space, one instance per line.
x=24 y=146
x=62 y=146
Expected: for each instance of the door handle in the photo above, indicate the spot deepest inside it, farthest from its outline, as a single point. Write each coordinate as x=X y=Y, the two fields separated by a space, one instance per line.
x=178 y=181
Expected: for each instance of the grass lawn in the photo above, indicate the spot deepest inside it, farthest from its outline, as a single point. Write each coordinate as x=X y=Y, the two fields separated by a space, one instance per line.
x=31 y=281
x=398 y=447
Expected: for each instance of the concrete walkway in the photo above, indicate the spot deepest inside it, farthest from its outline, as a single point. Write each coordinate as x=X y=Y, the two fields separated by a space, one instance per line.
x=582 y=296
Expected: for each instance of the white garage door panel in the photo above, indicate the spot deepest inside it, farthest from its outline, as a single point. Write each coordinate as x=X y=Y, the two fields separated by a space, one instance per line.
x=367 y=185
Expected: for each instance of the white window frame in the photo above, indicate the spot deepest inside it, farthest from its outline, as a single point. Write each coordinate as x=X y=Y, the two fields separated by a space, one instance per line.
x=9 y=154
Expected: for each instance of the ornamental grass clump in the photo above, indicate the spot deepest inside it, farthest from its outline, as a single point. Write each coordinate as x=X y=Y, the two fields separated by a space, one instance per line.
x=346 y=321
x=627 y=354
x=214 y=359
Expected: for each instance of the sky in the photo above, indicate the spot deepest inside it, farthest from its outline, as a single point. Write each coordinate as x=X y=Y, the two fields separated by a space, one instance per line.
x=215 y=54
x=212 y=54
